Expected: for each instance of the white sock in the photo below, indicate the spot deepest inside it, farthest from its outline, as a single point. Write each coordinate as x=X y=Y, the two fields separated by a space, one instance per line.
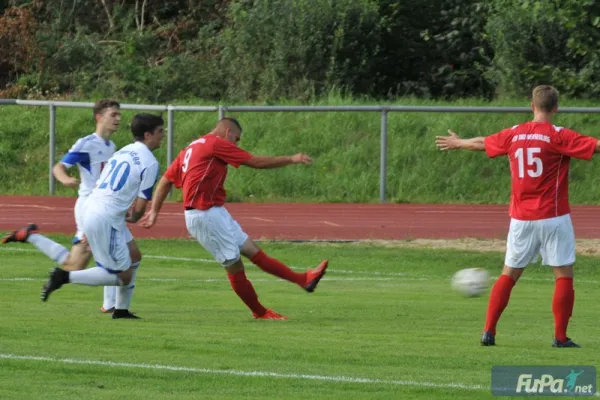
x=125 y=293
x=55 y=251
x=110 y=293
x=95 y=276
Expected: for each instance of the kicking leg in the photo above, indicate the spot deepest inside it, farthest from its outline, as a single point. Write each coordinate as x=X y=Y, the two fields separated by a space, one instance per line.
x=73 y=260
x=79 y=257
x=30 y=234
x=224 y=239
x=308 y=280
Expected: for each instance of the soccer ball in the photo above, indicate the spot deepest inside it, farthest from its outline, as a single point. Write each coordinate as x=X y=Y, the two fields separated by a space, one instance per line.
x=471 y=282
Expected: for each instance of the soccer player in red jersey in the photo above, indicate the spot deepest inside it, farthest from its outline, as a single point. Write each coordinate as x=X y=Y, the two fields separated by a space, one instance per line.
x=200 y=169
x=539 y=154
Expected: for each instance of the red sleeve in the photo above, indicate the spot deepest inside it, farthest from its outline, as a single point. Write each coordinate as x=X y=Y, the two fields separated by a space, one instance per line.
x=173 y=173
x=230 y=153
x=576 y=145
x=498 y=144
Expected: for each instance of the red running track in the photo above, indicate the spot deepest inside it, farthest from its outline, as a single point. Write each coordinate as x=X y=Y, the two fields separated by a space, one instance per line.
x=300 y=221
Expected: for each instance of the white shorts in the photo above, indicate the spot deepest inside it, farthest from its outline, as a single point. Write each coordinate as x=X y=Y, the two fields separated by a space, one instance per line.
x=217 y=232
x=553 y=238
x=79 y=213
x=108 y=242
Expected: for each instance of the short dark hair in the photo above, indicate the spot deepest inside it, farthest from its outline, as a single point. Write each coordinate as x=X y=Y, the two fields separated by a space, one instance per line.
x=101 y=105
x=233 y=121
x=143 y=123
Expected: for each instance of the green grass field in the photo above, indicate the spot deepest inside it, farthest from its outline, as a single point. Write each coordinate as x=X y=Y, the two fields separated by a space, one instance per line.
x=345 y=146
x=383 y=323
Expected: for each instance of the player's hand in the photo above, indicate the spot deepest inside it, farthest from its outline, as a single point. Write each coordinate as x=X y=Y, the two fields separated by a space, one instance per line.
x=84 y=240
x=71 y=182
x=301 y=158
x=448 y=142
x=149 y=219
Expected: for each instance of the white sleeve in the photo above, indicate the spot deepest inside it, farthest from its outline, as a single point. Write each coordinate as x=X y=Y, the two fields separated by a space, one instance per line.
x=149 y=178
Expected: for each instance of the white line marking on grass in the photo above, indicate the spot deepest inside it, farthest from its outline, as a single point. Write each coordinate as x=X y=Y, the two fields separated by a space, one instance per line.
x=261 y=280
x=526 y=278
x=20 y=279
x=261 y=374
x=337 y=271
x=208 y=260
x=205 y=260
x=23 y=279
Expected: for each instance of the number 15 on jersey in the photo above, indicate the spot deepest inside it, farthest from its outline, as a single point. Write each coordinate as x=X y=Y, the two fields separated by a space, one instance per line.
x=528 y=160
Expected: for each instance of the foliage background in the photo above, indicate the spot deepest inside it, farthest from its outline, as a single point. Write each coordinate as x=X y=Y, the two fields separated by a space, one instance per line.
x=268 y=50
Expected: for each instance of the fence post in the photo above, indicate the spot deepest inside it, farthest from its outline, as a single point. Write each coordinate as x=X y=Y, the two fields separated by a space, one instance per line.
x=383 y=158
x=170 y=131
x=221 y=112
x=52 y=146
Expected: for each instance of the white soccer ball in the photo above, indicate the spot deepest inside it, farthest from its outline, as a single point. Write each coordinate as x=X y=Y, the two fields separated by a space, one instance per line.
x=471 y=282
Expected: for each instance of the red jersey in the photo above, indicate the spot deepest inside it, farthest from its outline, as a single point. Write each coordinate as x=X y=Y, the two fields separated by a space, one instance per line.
x=540 y=155
x=201 y=169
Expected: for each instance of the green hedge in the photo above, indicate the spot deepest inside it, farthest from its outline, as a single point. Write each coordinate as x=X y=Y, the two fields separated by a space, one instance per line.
x=298 y=50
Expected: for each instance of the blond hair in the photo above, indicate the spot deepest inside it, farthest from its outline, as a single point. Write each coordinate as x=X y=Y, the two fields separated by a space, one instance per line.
x=545 y=98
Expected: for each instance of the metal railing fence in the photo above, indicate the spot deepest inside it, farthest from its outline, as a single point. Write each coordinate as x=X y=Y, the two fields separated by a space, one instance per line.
x=383 y=110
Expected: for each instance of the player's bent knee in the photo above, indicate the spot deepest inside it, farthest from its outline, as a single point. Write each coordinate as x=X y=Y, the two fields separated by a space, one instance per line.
x=77 y=260
x=233 y=266
x=249 y=249
x=126 y=276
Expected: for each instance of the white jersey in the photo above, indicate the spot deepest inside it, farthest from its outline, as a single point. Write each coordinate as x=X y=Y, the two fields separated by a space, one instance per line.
x=89 y=153
x=131 y=172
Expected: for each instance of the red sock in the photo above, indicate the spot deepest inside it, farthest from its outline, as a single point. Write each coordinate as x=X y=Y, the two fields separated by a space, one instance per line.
x=277 y=268
x=499 y=297
x=244 y=289
x=562 y=306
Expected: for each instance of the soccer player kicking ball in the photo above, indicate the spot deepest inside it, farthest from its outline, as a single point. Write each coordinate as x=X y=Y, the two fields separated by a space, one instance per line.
x=200 y=169
x=539 y=155
x=89 y=154
x=129 y=177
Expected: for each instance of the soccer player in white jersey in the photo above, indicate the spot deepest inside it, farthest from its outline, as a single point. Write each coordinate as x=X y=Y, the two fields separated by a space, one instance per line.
x=129 y=177
x=89 y=154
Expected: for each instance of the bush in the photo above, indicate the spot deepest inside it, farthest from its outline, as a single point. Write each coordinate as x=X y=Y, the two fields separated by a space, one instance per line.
x=295 y=49
x=537 y=42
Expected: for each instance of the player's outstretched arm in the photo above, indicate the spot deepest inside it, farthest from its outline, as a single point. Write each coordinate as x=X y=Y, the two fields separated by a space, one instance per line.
x=62 y=175
x=263 y=162
x=160 y=194
x=453 y=142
